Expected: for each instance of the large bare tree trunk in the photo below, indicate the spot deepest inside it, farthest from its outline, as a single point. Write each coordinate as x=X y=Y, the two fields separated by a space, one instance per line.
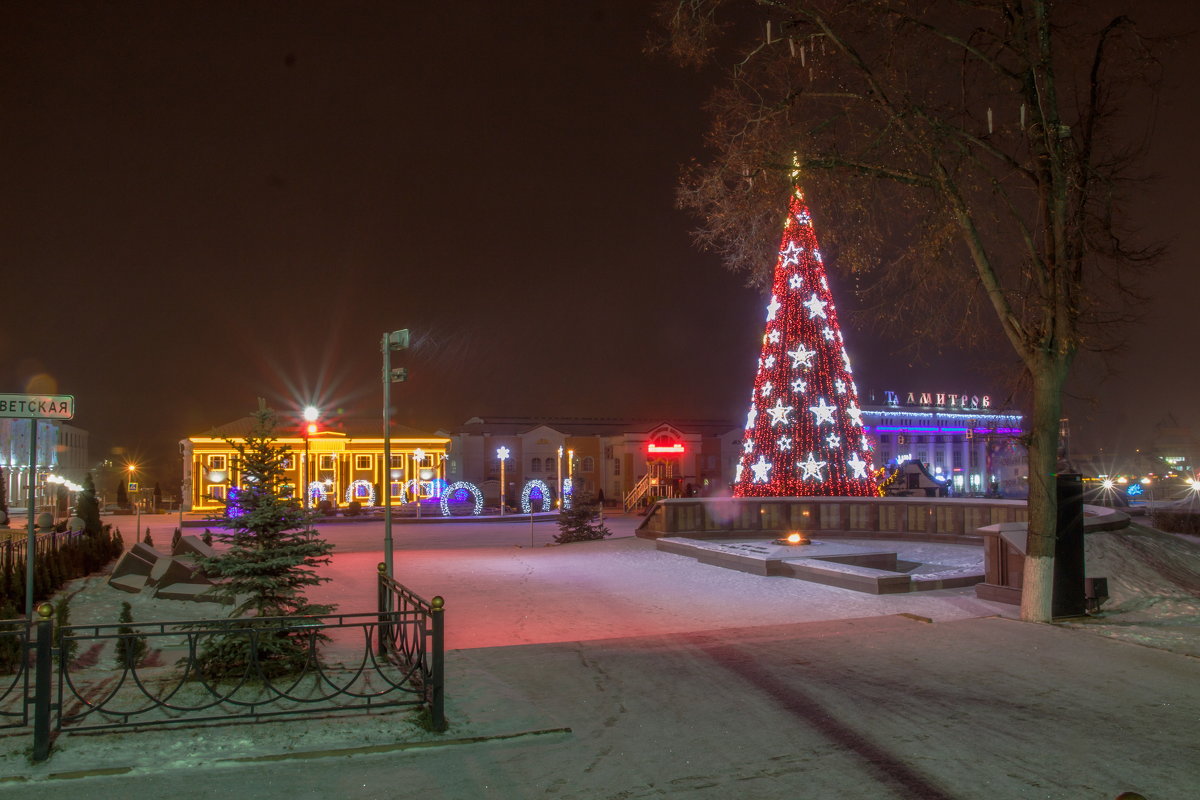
x=1048 y=376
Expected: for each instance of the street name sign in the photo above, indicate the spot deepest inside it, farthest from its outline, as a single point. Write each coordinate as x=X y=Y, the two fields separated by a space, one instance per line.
x=37 y=406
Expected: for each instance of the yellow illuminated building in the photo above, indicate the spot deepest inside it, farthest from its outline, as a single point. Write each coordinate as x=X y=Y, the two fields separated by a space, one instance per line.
x=339 y=465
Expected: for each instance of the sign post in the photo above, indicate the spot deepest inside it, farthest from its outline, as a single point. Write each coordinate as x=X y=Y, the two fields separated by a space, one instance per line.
x=34 y=407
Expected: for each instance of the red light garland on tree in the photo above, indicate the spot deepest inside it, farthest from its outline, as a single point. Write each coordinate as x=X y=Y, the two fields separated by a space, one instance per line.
x=804 y=432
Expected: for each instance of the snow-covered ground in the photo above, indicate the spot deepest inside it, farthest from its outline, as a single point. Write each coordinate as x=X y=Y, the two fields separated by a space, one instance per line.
x=506 y=583
x=609 y=669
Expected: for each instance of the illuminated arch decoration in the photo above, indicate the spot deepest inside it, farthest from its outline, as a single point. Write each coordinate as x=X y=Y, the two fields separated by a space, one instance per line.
x=527 y=496
x=568 y=489
x=464 y=486
x=317 y=492
x=352 y=491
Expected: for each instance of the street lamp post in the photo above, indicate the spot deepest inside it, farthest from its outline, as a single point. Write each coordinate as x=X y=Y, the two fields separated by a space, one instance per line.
x=418 y=460
x=137 y=530
x=502 y=454
x=558 y=484
x=395 y=340
x=311 y=415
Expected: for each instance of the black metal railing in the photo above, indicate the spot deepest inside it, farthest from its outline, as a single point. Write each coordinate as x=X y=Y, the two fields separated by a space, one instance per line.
x=14 y=673
x=135 y=675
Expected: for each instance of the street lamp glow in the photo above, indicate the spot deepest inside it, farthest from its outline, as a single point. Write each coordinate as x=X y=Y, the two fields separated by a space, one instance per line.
x=311 y=413
x=502 y=453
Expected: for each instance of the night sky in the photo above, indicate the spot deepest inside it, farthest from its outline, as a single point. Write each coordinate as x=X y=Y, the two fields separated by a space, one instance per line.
x=205 y=203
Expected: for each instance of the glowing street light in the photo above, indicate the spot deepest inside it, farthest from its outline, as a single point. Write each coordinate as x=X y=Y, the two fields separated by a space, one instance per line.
x=558 y=486
x=502 y=454
x=311 y=415
x=418 y=460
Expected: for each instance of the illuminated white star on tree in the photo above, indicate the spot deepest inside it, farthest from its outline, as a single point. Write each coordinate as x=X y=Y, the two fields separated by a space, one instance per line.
x=858 y=465
x=828 y=333
x=816 y=307
x=812 y=468
x=770 y=362
x=840 y=385
x=824 y=283
x=766 y=389
x=760 y=469
x=773 y=337
x=784 y=443
x=804 y=218
x=779 y=414
x=748 y=446
x=801 y=356
x=817 y=256
x=855 y=413
x=846 y=361
x=737 y=472
x=833 y=440
x=773 y=307
x=795 y=281
x=799 y=386
x=865 y=442
x=751 y=417
x=823 y=412
x=791 y=254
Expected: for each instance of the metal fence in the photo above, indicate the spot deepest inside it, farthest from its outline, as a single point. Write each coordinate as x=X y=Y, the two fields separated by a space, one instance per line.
x=140 y=675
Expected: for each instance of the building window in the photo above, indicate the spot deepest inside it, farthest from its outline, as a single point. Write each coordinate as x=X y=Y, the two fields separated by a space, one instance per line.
x=326 y=462
x=216 y=462
x=958 y=459
x=397 y=489
x=397 y=462
x=362 y=462
x=922 y=439
x=216 y=492
x=535 y=465
x=885 y=438
x=589 y=464
x=617 y=467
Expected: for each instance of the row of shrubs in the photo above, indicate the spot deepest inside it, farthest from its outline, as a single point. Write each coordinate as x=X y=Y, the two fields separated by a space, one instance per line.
x=1177 y=521
x=72 y=556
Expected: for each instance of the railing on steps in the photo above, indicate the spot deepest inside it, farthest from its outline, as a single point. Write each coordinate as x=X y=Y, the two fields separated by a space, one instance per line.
x=635 y=495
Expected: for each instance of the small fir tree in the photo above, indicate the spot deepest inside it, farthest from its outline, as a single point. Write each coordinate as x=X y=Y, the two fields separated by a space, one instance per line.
x=207 y=538
x=87 y=506
x=62 y=619
x=270 y=557
x=131 y=647
x=148 y=540
x=175 y=537
x=581 y=521
x=3 y=493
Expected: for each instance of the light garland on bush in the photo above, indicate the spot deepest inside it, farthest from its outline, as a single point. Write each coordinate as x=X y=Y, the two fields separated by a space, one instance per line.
x=465 y=486
x=527 y=496
x=352 y=495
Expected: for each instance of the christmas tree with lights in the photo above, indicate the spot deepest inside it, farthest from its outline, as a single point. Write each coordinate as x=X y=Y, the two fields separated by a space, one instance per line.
x=804 y=432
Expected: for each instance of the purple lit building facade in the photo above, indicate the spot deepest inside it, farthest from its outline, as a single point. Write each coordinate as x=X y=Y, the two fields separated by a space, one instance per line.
x=961 y=439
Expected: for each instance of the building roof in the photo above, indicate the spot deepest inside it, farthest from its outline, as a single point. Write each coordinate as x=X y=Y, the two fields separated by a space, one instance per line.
x=353 y=428
x=589 y=426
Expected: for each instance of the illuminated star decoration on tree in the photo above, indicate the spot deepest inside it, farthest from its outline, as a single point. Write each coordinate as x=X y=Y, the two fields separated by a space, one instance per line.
x=804 y=432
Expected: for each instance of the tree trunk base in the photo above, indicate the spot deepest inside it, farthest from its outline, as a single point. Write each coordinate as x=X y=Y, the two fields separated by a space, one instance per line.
x=1037 y=592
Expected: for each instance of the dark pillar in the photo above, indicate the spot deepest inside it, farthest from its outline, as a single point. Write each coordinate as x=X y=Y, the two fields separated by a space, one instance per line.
x=1069 y=600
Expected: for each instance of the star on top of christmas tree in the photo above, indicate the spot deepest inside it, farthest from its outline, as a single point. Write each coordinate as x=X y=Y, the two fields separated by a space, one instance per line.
x=804 y=430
